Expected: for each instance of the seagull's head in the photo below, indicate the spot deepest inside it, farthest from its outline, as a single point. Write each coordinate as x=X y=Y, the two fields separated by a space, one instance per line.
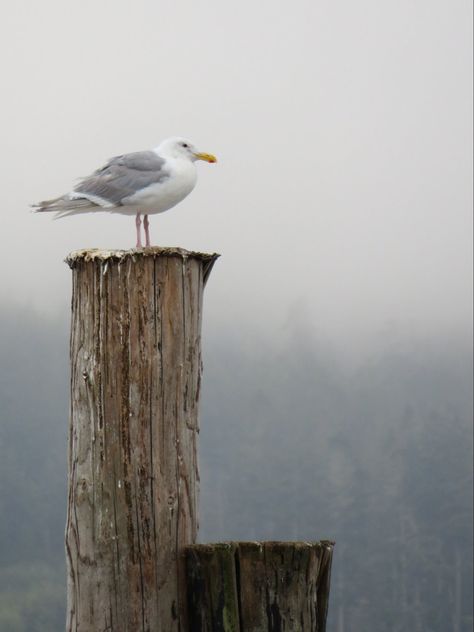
x=182 y=148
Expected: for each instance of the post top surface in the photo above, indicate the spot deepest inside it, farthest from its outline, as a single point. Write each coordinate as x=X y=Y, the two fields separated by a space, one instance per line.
x=274 y=545
x=98 y=254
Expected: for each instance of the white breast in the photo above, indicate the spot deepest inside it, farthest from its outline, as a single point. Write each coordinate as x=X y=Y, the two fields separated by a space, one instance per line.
x=162 y=196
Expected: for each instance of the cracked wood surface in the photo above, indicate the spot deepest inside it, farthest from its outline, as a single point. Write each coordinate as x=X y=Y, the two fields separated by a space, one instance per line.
x=259 y=586
x=133 y=471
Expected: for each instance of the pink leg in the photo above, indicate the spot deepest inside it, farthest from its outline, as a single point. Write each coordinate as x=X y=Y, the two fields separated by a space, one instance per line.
x=146 y=224
x=138 y=223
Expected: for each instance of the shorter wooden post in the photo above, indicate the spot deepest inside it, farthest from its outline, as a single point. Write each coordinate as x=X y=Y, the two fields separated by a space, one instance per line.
x=259 y=586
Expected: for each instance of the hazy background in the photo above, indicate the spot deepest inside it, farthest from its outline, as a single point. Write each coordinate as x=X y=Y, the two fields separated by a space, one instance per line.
x=343 y=131
x=337 y=323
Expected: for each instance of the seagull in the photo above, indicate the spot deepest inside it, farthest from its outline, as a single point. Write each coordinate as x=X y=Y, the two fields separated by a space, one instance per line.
x=139 y=183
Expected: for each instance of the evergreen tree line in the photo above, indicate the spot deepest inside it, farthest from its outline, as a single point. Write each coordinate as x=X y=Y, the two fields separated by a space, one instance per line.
x=294 y=445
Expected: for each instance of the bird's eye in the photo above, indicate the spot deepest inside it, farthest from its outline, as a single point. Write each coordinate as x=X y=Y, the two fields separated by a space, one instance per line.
x=185 y=145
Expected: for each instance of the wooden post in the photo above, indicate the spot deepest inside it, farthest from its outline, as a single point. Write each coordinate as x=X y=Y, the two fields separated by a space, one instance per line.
x=259 y=586
x=133 y=474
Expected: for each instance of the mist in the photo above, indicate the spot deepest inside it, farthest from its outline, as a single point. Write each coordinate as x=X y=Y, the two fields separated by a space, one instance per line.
x=343 y=133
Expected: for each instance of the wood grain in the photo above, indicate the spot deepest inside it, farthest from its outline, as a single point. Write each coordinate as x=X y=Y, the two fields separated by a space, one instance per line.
x=259 y=586
x=133 y=472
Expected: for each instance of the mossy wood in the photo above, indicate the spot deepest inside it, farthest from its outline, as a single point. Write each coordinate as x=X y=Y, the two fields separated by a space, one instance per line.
x=133 y=473
x=258 y=586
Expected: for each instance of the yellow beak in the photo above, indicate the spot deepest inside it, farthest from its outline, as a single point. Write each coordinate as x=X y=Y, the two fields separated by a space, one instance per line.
x=206 y=157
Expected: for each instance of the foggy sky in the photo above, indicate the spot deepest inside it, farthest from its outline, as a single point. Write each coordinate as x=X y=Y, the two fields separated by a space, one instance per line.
x=342 y=195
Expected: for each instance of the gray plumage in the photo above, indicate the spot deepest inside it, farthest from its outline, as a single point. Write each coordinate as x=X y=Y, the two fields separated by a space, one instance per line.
x=123 y=176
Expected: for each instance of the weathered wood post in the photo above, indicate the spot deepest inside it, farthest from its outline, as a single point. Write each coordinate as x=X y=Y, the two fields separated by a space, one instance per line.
x=259 y=586
x=133 y=474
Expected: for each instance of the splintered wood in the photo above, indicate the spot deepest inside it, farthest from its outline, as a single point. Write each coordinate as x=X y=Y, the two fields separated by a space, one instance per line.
x=133 y=471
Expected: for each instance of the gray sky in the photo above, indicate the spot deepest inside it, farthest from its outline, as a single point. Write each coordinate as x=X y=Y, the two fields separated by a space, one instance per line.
x=343 y=193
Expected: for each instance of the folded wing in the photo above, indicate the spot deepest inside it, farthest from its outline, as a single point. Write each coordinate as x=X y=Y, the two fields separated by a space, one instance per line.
x=112 y=185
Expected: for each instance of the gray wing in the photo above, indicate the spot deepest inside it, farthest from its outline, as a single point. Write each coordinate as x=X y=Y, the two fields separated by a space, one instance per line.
x=123 y=176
